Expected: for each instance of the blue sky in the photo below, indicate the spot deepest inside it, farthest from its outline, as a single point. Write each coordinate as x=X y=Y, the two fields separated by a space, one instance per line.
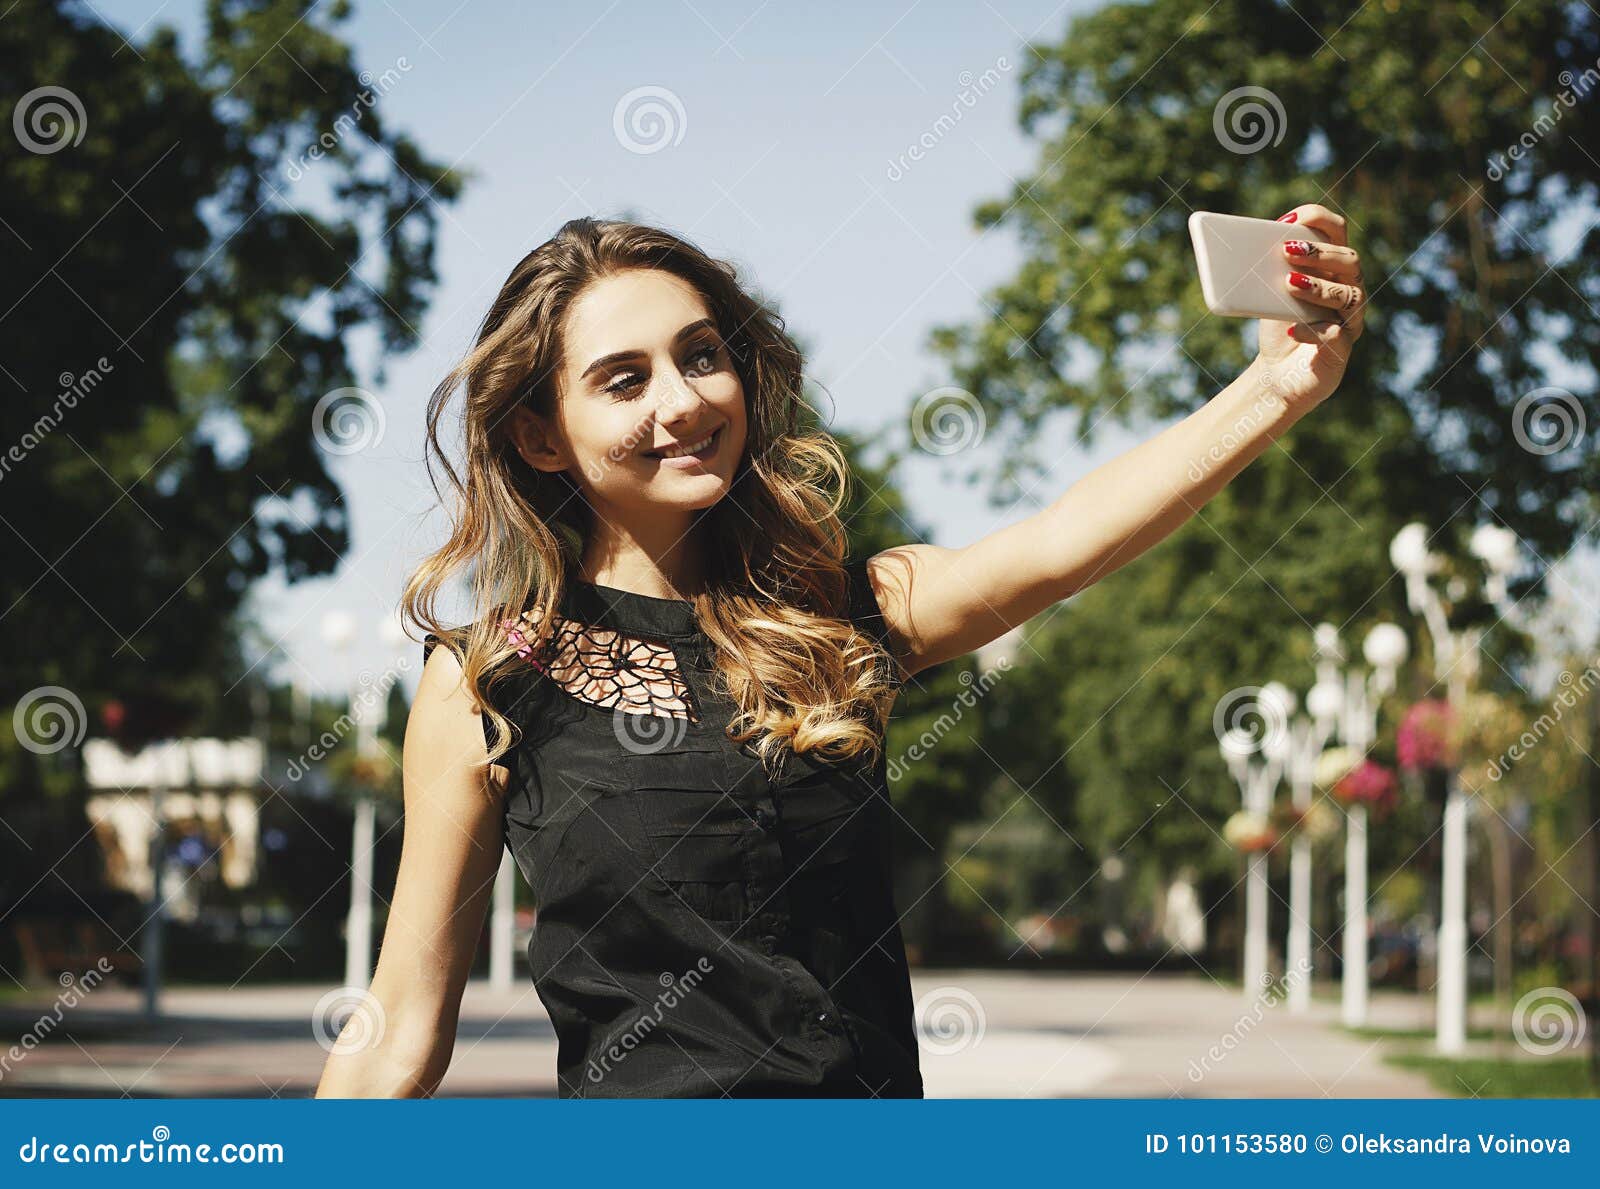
x=791 y=118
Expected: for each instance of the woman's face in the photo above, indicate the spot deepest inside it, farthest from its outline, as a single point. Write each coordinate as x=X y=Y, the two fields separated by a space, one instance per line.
x=644 y=372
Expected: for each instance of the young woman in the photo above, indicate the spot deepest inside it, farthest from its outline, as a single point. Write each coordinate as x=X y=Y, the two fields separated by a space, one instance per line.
x=670 y=703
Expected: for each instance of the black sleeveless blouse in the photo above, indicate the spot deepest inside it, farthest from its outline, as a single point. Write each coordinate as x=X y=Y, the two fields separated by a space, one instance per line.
x=702 y=929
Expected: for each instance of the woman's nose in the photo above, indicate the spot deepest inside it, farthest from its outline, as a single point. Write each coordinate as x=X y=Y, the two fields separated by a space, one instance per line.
x=678 y=399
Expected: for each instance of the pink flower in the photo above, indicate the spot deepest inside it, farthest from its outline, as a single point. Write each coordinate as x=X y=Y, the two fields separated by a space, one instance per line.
x=1369 y=783
x=1426 y=738
x=515 y=636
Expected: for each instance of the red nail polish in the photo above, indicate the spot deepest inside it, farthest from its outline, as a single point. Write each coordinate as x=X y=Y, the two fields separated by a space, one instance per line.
x=1300 y=281
x=1297 y=247
x=1289 y=218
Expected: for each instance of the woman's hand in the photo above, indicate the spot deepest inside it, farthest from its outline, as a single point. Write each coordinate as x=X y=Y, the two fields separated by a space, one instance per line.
x=1303 y=362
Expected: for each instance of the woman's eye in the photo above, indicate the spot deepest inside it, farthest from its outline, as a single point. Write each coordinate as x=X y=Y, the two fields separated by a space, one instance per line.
x=703 y=360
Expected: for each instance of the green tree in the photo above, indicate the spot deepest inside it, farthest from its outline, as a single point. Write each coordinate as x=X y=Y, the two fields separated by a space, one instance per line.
x=1399 y=116
x=194 y=247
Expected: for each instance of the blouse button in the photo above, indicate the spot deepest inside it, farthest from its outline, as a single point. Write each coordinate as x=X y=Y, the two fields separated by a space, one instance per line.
x=822 y=1017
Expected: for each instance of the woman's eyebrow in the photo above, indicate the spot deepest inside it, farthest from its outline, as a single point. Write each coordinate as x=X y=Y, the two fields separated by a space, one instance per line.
x=620 y=356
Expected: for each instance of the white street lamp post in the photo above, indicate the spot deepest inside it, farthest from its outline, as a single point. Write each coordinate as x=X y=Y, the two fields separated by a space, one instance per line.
x=1256 y=783
x=338 y=631
x=1455 y=663
x=1354 y=697
x=1308 y=735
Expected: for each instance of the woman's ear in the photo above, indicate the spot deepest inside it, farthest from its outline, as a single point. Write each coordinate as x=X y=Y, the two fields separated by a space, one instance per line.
x=535 y=441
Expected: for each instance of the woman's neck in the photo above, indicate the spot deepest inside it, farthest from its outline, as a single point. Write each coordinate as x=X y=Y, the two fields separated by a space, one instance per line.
x=669 y=569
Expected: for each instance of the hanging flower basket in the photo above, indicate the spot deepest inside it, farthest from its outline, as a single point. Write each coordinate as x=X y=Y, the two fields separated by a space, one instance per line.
x=1427 y=737
x=1369 y=784
x=1318 y=821
x=1249 y=832
x=1334 y=764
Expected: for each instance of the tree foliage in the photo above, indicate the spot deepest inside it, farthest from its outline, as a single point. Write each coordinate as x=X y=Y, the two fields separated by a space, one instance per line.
x=1483 y=272
x=196 y=250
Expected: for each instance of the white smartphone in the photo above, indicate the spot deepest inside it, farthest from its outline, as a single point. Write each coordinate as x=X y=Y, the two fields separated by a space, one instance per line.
x=1243 y=271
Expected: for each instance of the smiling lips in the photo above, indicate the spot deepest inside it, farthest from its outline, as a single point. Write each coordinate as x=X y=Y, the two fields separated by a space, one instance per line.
x=686 y=449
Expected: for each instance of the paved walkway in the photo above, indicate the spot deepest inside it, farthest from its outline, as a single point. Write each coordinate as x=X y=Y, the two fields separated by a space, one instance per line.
x=984 y=1034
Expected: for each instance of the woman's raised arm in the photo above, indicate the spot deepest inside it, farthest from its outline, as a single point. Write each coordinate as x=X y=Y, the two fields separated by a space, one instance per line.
x=448 y=858
x=941 y=603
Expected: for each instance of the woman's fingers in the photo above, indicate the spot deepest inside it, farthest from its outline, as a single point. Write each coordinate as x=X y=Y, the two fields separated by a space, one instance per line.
x=1346 y=300
x=1334 y=261
x=1329 y=333
x=1311 y=214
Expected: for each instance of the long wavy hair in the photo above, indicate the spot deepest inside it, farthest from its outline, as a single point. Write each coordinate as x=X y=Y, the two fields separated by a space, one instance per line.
x=801 y=675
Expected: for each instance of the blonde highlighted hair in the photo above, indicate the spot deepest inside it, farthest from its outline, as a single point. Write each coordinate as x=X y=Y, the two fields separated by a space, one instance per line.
x=801 y=676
